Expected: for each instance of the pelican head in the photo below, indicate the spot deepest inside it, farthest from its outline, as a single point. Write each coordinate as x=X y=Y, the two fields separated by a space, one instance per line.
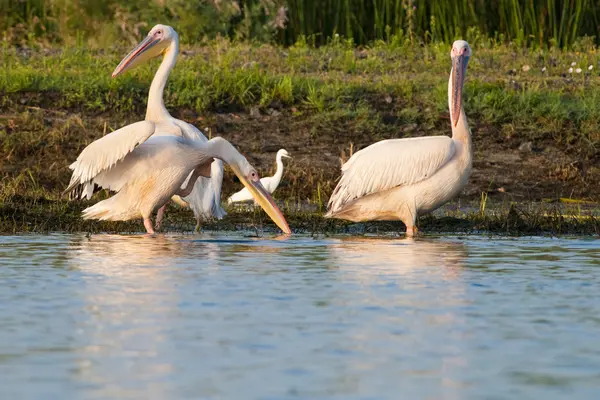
x=283 y=153
x=460 y=54
x=156 y=43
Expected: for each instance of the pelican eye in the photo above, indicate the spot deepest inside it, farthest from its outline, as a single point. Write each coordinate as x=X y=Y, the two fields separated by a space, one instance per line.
x=253 y=176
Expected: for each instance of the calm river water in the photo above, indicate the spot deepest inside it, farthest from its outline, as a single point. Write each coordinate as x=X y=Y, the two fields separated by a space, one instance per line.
x=224 y=316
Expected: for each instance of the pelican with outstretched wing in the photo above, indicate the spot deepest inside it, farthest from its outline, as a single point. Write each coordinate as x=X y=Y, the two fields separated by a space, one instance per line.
x=205 y=196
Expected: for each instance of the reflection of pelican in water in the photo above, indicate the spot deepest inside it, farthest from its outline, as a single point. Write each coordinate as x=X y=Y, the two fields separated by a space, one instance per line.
x=107 y=254
x=133 y=292
x=399 y=256
x=410 y=297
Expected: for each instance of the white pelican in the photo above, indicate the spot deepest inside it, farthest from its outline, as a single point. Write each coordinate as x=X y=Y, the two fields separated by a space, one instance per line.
x=147 y=177
x=270 y=182
x=400 y=179
x=205 y=197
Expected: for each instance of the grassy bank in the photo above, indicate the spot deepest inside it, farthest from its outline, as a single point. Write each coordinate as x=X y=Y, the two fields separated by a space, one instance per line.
x=534 y=123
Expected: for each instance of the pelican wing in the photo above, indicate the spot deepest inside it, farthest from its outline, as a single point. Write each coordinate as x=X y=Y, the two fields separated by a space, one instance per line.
x=140 y=162
x=216 y=178
x=390 y=163
x=105 y=152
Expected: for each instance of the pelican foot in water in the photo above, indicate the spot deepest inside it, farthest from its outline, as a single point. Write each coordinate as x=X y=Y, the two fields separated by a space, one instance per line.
x=411 y=231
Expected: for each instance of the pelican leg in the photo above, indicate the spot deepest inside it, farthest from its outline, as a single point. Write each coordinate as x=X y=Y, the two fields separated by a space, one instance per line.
x=410 y=220
x=159 y=216
x=411 y=231
x=198 y=225
x=148 y=225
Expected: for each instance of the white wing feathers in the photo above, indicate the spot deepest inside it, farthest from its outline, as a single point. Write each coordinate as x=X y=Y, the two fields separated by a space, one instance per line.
x=140 y=162
x=205 y=198
x=103 y=153
x=390 y=163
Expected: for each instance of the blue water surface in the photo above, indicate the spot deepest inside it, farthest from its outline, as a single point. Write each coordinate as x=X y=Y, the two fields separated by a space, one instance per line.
x=227 y=316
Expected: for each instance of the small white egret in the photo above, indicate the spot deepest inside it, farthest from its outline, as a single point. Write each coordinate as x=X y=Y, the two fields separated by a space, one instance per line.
x=270 y=182
x=400 y=179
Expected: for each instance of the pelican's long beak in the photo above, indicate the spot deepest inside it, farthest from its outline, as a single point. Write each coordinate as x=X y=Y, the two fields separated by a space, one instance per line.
x=265 y=200
x=135 y=55
x=459 y=69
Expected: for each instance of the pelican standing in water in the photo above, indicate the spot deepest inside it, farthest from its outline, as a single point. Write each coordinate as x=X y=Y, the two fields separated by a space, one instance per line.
x=147 y=177
x=270 y=182
x=400 y=179
x=205 y=196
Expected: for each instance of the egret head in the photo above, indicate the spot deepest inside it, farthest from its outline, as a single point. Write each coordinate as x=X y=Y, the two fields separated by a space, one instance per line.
x=460 y=54
x=283 y=153
x=156 y=43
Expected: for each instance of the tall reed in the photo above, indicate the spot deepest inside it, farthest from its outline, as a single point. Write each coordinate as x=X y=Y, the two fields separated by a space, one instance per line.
x=533 y=22
x=524 y=22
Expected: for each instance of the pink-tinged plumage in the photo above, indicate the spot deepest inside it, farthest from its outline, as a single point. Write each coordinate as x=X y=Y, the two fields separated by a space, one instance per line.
x=400 y=179
x=103 y=153
x=161 y=40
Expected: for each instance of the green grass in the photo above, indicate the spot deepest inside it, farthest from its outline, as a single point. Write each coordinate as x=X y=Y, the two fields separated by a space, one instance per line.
x=338 y=79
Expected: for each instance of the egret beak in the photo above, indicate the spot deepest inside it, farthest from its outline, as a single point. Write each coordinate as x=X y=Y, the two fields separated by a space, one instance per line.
x=459 y=69
x=286 y=156
x=262 y=197
x=131 y=59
